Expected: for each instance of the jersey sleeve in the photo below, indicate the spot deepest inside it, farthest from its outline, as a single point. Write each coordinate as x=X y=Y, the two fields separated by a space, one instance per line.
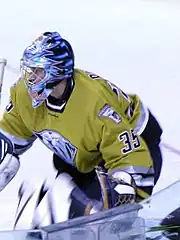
x=122 y=148
x=12 y=126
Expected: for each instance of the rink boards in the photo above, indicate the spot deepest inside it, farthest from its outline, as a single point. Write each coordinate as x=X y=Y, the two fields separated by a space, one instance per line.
x=135 y=222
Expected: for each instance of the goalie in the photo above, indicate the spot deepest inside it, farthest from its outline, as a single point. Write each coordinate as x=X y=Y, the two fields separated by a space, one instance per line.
x=87 y=122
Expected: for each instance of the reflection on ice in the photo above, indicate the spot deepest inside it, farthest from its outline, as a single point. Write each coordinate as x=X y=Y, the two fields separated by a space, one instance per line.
x=23 y=235
x=160 y=213
x=162 y=203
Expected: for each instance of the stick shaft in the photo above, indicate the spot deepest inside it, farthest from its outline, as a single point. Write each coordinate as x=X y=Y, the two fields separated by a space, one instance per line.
x=3 y=63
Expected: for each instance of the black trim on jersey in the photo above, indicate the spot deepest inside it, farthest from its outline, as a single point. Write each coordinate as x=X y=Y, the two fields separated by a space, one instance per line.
x=58 y=105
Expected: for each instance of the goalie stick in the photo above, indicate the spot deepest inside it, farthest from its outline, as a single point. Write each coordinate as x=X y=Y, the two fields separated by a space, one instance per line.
x=3 y=63
x=102 y=181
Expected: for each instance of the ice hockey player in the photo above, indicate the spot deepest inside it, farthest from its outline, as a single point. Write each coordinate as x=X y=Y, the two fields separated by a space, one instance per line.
x=86 y=121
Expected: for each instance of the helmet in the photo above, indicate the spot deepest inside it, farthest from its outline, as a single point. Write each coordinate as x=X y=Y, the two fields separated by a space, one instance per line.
x=46 y=62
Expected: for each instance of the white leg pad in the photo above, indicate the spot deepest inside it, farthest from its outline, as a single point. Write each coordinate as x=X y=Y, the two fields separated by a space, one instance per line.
x=54 y=205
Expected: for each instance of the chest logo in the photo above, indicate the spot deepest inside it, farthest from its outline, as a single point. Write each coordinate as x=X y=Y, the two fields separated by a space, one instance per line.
x=61 y=146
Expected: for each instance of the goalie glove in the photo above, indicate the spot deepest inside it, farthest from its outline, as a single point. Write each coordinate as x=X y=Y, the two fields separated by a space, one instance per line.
x=117 y=187
x=123 y=188
x=9 y=163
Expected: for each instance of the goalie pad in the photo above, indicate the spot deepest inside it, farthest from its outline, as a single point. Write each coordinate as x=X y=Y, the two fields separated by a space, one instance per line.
x=8 y=169
x=43 y=205
x=9 y=163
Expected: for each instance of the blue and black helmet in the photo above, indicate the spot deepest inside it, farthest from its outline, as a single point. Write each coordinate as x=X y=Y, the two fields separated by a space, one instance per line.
x=54 y=56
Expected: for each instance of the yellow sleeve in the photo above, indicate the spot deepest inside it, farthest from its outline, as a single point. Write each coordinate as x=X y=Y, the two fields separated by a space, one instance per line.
x=12 y=126
x=122 y=148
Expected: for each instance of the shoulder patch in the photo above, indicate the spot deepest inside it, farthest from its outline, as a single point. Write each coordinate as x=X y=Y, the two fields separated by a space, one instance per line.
x=92 y=75
x=108 y=112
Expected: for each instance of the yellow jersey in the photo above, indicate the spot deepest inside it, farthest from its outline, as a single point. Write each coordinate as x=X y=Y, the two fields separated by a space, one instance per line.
x=99 y=122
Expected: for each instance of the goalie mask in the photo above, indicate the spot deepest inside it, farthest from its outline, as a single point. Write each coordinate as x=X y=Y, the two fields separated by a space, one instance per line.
x=46 y=62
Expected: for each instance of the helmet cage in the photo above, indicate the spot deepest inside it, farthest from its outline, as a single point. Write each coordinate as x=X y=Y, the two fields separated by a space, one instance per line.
x=51 y=57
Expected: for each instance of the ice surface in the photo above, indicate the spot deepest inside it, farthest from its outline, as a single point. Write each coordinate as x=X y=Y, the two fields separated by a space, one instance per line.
x=22 y=235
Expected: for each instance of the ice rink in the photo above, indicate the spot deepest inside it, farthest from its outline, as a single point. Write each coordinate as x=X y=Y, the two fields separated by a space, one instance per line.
x=135 y=44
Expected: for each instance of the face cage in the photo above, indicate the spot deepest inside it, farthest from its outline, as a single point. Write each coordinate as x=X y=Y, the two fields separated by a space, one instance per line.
x=33 y=76
x=38 y=89
x=45 y=75
x=36 y=85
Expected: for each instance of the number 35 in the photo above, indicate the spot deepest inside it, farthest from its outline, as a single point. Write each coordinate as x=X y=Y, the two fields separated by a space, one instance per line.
x=130 y=140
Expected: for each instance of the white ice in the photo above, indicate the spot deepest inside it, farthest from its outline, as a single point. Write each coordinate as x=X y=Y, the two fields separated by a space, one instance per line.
x=135 y=44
